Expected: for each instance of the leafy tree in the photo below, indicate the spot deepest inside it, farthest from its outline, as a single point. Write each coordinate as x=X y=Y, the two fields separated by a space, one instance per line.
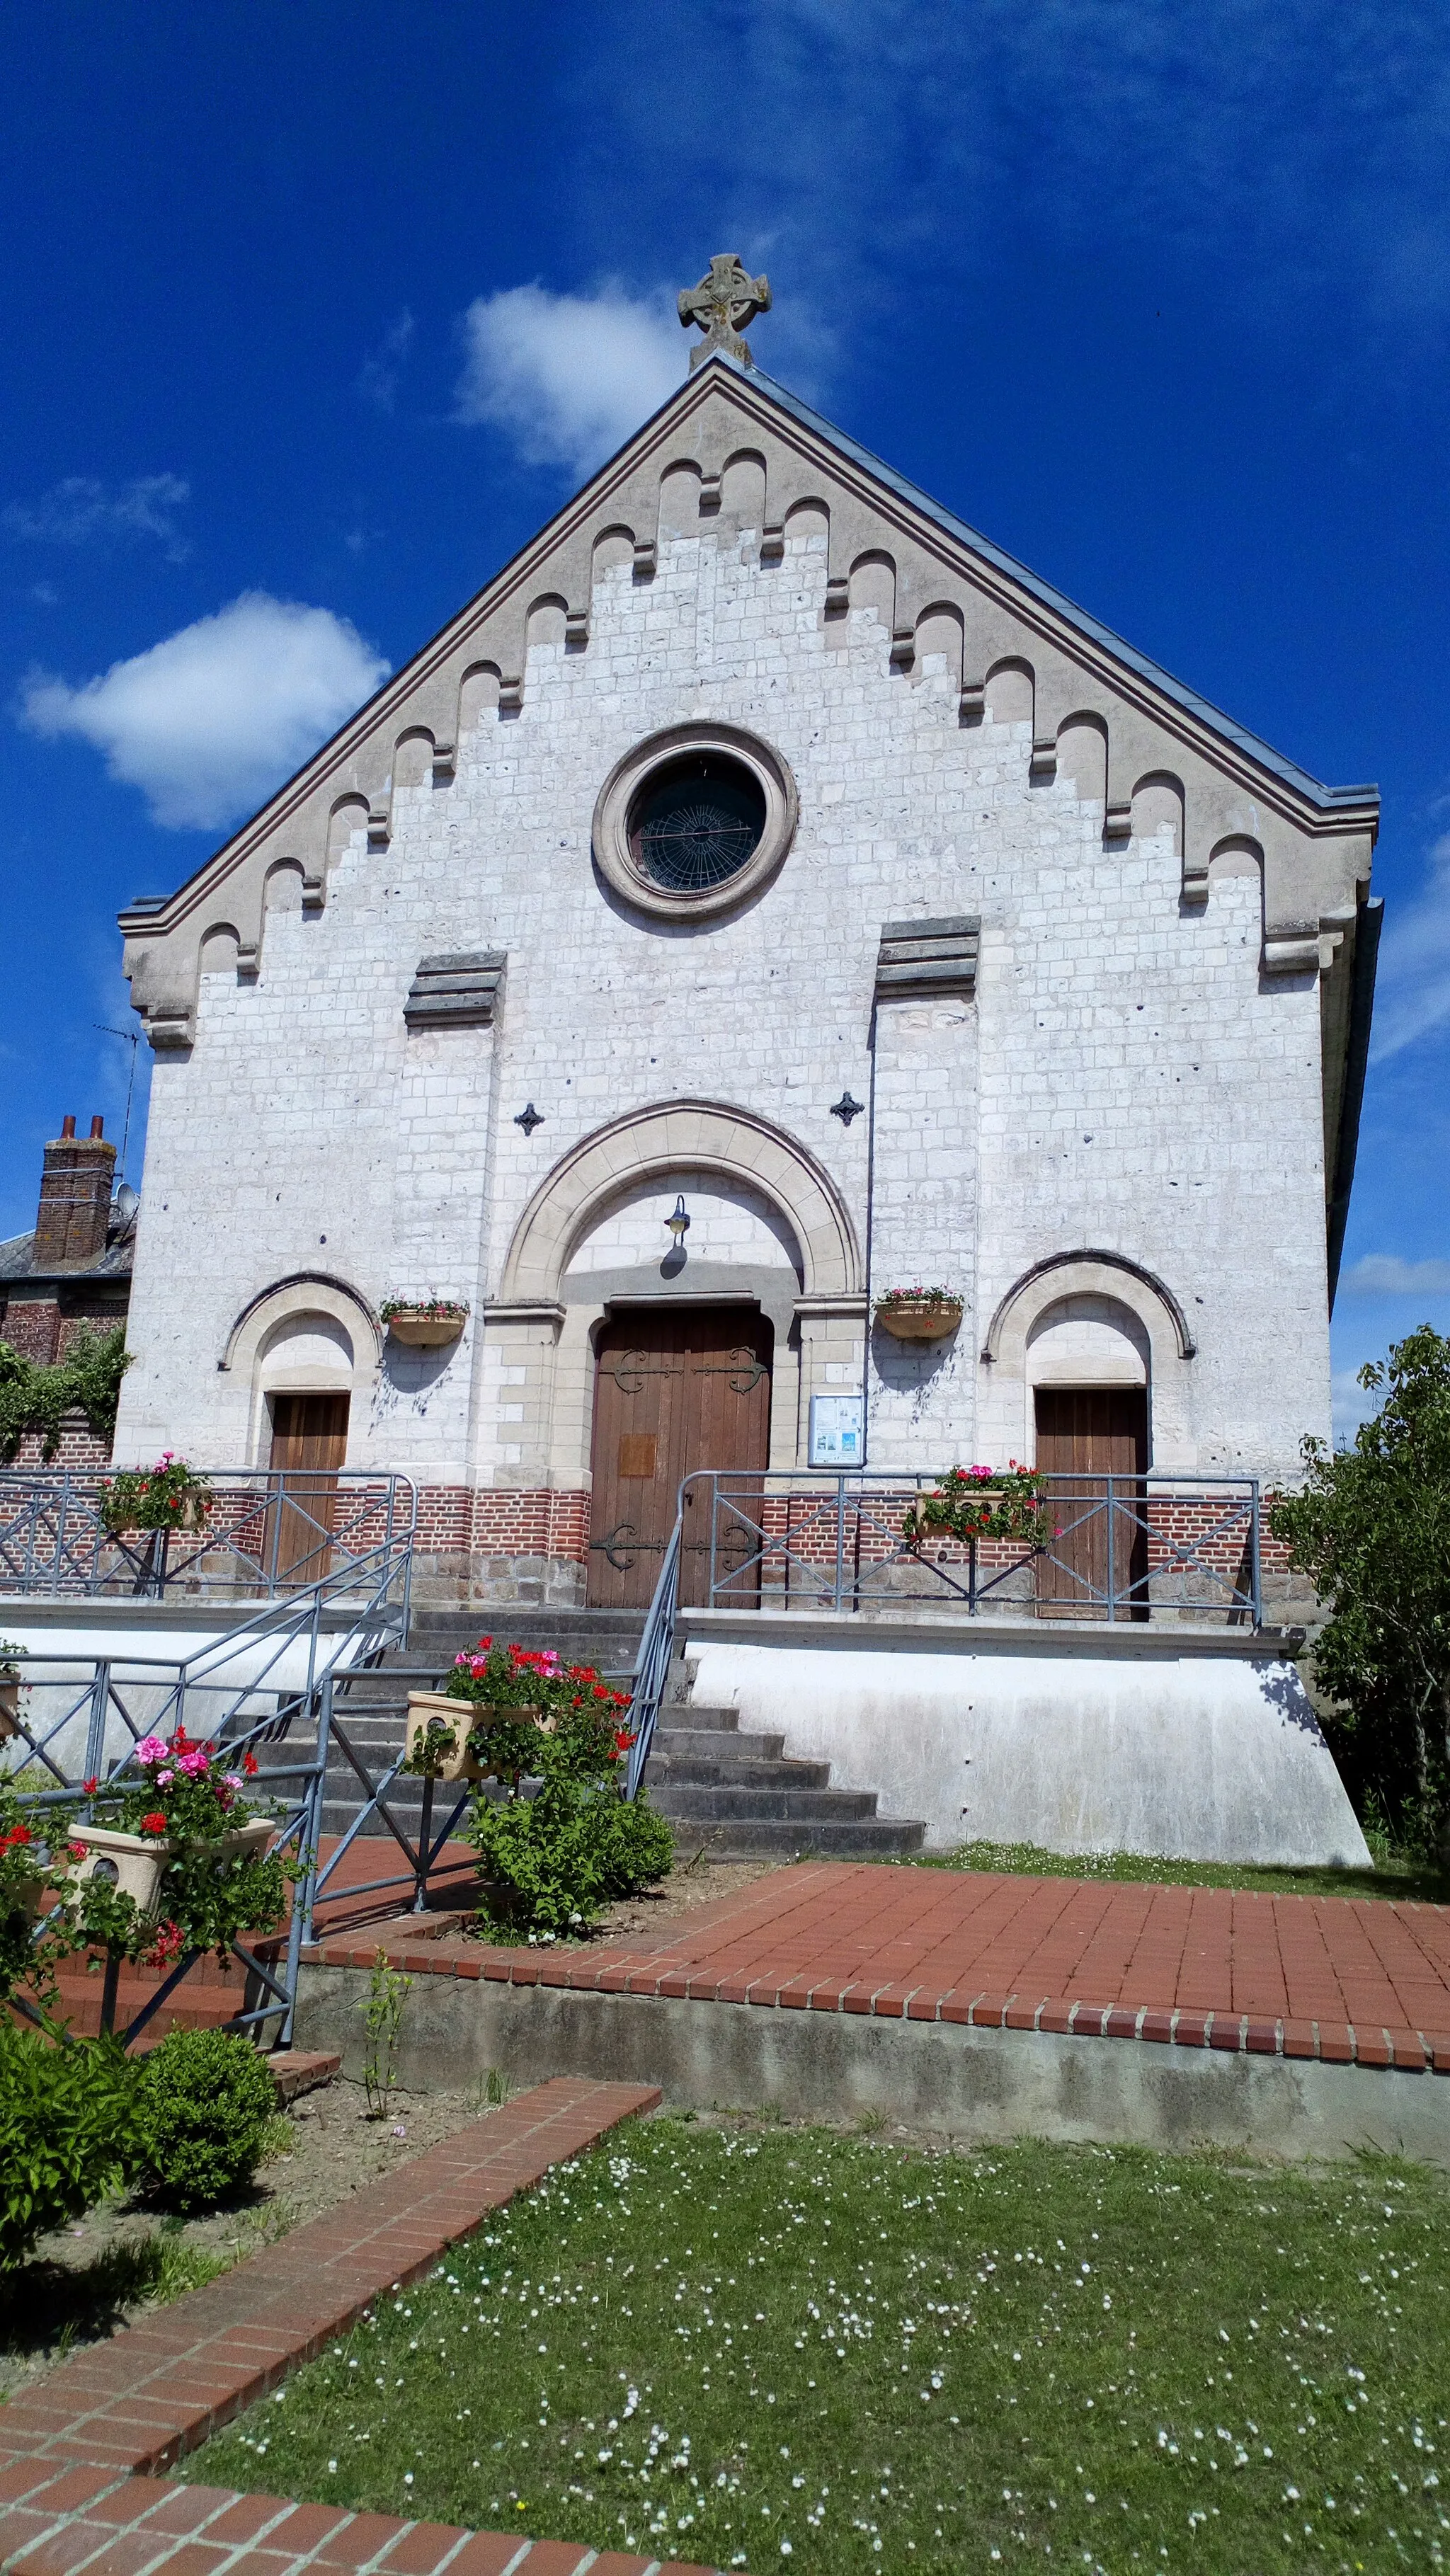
x=1371 y=1527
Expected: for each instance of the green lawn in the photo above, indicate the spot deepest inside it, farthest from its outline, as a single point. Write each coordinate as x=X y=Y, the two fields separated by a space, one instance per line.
x=749 y=2346
x=1394 y=1873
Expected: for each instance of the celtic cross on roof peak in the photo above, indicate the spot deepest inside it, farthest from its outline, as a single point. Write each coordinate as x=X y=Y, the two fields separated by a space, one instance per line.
x=724 y=304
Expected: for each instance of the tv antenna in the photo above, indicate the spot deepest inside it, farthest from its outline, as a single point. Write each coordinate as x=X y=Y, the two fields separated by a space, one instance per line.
x=132 y=1038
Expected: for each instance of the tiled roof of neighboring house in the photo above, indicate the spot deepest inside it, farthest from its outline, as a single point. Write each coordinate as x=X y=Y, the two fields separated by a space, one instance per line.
x=116 y=1262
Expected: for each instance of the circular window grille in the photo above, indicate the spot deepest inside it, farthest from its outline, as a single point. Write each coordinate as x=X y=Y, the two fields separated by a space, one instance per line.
x=696 y=822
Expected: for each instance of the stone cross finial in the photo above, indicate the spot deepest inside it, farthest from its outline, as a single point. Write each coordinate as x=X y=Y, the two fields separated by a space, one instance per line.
x=724 y=304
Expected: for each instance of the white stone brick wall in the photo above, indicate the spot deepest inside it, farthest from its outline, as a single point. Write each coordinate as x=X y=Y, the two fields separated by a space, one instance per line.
x=1125 y=1081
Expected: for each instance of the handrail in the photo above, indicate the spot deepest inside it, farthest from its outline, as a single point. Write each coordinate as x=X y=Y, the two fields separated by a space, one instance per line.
x=103 y=1689
x=656 y=1650
x=268 y=1530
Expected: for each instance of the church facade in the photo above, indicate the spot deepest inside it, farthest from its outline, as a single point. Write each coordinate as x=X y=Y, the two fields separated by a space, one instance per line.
x=766 y=850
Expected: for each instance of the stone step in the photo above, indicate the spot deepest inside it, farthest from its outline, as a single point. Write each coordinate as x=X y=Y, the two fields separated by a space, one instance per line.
x=685 y=1770
x=726 y=1803
x=688 y=1712
x=710 y=1744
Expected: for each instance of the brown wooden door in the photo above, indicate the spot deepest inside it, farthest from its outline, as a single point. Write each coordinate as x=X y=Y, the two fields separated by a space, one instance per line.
x=309 y=1444
x=1086 y=1434
x=680 y=1388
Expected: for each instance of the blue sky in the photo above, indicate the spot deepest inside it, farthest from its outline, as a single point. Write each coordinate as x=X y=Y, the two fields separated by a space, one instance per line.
x=313 y=313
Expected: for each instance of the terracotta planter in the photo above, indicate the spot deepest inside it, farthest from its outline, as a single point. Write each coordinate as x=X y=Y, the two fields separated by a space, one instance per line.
x=9 y=1710
x=133 y=1863
x=920 y=1319
x=425 y=1332
x=426 y=1706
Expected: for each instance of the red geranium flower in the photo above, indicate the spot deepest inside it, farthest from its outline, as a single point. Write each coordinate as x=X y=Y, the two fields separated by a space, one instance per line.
x=154 y=1824
x=92 y=1785
x=18 y=1834
x=623 y=1740
x=249 y=1765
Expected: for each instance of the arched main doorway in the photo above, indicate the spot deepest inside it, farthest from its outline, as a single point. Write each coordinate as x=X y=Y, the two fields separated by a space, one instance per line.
x=677 y=1388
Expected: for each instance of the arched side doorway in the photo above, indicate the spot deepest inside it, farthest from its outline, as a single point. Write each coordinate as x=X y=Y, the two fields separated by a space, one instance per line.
x=307 y=1346
x=1086 y=1355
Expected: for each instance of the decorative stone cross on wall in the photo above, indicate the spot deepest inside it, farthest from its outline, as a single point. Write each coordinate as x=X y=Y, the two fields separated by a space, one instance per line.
x=724 y=304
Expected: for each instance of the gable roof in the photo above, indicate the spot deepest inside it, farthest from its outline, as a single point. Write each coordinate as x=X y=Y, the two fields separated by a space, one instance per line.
x=755 y=394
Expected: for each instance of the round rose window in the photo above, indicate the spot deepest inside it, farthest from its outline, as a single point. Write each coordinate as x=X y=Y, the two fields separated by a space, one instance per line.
x=693 y=822
x=696 y=822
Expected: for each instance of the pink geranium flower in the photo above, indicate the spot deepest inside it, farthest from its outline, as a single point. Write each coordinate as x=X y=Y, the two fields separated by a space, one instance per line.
x=151 y=1749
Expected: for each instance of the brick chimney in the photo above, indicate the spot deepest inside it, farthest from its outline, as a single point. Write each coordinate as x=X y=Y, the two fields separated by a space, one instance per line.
x=75 y=1199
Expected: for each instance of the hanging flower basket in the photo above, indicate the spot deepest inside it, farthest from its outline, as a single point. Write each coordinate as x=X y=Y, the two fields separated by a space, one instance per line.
x=169 y=1496
x=428 y=1326
x=919 y=1314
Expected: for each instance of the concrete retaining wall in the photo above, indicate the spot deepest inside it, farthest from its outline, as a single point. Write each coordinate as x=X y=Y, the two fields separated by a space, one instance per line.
x=1125 y=1746
x=958 y=2082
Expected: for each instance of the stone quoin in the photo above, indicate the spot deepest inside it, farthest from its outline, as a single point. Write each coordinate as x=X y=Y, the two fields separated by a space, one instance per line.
x=761 y=844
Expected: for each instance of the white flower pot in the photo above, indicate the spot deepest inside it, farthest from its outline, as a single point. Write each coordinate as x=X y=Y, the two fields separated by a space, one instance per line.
x=133 y=1863
x=426 y=1707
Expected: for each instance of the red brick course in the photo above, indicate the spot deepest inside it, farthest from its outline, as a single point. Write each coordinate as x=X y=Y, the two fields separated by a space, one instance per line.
x=1348 y=1980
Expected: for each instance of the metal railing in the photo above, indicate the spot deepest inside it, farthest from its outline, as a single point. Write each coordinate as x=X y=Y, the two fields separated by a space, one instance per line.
x=270 y=1531
x=1181 y=1548
x=1113 y=1548
x=82 y=1717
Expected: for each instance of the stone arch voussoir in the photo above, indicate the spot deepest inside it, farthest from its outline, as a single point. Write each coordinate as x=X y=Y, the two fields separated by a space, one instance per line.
x=701 y=1135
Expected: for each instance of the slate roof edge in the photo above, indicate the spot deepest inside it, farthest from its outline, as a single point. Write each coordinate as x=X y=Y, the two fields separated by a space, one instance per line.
x=1191 y=700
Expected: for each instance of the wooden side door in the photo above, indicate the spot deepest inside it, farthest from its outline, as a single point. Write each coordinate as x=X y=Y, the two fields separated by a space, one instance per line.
x=1086 y=1434
x=309 y=1445
x=680 y=1388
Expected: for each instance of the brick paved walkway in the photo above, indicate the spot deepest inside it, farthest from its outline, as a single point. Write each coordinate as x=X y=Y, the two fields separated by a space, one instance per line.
x=72 y=2444
x=1351 y=1981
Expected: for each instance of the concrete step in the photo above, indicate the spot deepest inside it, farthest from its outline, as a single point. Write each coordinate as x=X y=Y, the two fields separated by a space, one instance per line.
x=684 y=1770
x=766 y=1838
x=727 y=1804
x=712 y=1744
x=687 y=1712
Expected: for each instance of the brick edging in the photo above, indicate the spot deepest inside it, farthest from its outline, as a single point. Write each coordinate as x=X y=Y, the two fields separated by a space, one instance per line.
x=1386 y=2048
x=56 y=2522
x=159 y=2389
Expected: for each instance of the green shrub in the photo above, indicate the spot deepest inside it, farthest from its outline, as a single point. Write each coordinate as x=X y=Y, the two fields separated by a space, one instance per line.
x=206 y=2102
x=555 y=1859
x=68 y=2133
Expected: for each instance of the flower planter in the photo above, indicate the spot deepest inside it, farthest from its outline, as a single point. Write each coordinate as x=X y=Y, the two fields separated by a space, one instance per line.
x=9 y=1710
x=426 y=1707
x=920 y=1319
x=469 y=1717
x=424 y=1332
x=133 y=1863
x=249 y=1840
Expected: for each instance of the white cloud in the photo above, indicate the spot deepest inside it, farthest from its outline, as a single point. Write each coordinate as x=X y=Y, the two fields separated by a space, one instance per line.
x=1412 y=987
x=80 y=512
x=1384 y=1274
x=378 y=375
x=209 y=721
x=569 y=377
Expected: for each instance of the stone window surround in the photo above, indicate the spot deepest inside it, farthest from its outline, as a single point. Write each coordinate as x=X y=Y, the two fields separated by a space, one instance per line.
x=616 y=798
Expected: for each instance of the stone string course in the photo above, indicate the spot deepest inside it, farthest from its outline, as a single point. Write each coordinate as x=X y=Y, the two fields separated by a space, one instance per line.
x=1349 y=1982
x=80 y=2449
